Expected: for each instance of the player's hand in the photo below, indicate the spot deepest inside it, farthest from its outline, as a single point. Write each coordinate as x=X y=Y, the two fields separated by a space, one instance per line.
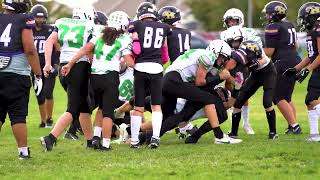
x=238 y=80
x=301 y=76
x=38 y=84
x=65 y=70
x=224 y=74
x=290 y=72
x=254 y=66
x=47 y=70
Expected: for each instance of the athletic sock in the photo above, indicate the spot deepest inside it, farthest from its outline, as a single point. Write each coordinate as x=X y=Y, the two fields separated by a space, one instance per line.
x=236 y=117
x=294 y=125
x=218 y=132
x=271 y=116
x=184 y=130
x=97 y=131
x=106 y=142
x=23 y=150
x=204 y=128
x=156 y=124
x=245 y=114
x=313 y=121
x=135 y=122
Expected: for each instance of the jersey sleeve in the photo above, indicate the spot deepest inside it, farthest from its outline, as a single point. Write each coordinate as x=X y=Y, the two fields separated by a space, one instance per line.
x=29 y=21
x=205 y=61
x=132 y=27
x=272 y=35
x=127 y=46
x=56 y=25
x=239 y=57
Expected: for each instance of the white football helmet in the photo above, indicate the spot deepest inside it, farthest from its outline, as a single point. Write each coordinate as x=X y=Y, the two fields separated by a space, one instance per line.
x=233 y=13
x=88 y=13
x=232 y=33
x=220 y=47
x=118 y=20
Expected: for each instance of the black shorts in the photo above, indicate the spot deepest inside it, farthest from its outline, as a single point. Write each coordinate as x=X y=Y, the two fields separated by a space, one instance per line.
x=144 y=82
x=284 y=88
x=313 y=87
x=77 y=89
x=14 y=97
x=106 y=93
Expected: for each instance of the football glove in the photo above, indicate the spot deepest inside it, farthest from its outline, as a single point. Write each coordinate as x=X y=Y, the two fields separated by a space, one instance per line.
x=301 y=76
x=238 y=80
x=290 y=72
x=37 y=84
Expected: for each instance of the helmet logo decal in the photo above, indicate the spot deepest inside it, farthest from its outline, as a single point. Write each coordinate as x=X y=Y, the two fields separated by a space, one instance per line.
x=280 y=9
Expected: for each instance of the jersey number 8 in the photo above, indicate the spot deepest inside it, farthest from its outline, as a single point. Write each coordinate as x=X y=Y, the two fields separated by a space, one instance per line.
x=148 y=35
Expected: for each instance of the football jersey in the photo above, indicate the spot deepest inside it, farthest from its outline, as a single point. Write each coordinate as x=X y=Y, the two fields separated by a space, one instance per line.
x=107 y=58
x=126 y=85
x=151 y=35
x=187 y=64
x=12 y=57
x=97 y=30
x=312 y=45
x=178 y=42
x=73 y=34
x=40 y=38
x=282 y=36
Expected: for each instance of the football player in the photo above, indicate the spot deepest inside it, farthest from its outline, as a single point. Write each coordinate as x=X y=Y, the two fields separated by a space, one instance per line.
x=41 y=32
x=235 y=17
x=108 y=50
x=281 y=46
x=72 y=34
x=185 y=77
x=309 y=19
x=150 y=48
x=262 y=73
x=179 y=39
x=17 y=54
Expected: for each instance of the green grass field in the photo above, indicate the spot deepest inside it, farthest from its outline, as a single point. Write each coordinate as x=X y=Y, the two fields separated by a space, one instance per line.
x=290 y=157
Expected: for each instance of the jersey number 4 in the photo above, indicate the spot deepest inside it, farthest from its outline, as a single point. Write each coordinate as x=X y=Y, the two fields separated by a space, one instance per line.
x=148 y=36
x=5 y=36
x=186 y=45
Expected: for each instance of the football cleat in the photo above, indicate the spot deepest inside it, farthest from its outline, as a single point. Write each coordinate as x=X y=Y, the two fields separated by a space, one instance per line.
x=273 y=136
x=248 y=129
x=96 y=142
x=191 y=140
x=47 y=143
x=154 y=143
x=227 y=140
x=70 y=136
x=49 y=123
x=105 y=149
x=313 y=138
x=24 y=157
x=135 y=146
x=42 y=125
x=294 y=130
x=234 y=136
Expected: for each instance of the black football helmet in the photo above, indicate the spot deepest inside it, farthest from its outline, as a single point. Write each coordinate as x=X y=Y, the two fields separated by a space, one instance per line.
x=308 y=15
x=18 y=6
x=147 y=10
x=253 y=51
x=277 y=11
x=101 y=18
x=169 y=15
x=39 y=10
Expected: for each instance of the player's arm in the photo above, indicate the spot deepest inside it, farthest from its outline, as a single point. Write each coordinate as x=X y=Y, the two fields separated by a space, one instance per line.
x=201 y=75
x=48 y=48
x=316 y=62
x=165 y=53
x=272 y=36
x=31 y=51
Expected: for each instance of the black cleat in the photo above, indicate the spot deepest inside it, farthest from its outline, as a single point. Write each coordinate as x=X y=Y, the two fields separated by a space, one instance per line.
x=89 y=144
x=191 y=140
x=193 y=130
x=23 y=157
x=47 y=143
x=135 y=146
x=105 y=149
x=70 y=136
x=49 y=123
x=42 y=125
x=182 y=136
x=96 y=142
x=273 y=136
x=154 y=143
x=79 y=130
x=294 y=130
x=234 y=136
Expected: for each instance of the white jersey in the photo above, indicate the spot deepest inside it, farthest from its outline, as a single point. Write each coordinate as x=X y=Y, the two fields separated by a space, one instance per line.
x=249 y=34
x=187 y=64
x=97 y=30
x=126 y=85
x=107 y=58
x=198 y=115
x=73 y=34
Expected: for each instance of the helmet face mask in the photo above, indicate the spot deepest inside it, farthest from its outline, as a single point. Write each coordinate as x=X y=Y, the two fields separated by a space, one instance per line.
x=233 y=14
x=308 y=15
x=147 y=10
x=221 y=50
x=17 y=6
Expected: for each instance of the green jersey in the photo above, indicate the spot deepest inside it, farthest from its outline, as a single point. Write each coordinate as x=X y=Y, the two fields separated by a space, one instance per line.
x=73 y=34
x=97 y=30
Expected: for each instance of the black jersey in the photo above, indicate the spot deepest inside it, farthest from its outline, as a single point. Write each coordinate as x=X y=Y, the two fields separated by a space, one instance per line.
x=282 y=36
x=151 y=35
x=312 y=45
x=178 y=42
x=40 y=38
x=11 y=26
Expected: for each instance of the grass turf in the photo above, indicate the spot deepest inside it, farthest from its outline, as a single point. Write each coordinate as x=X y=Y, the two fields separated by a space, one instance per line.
x=290 y=157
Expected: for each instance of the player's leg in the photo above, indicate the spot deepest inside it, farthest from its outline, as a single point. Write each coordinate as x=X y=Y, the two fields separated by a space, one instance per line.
x=97 y=131
x=48 y=90
x=245 y=111
x=41 y=103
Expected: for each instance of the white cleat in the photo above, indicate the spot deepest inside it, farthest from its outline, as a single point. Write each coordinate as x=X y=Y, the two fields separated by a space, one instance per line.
x=248 y=129
x=227 y=140
x=313 y=138
x=124 y=136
